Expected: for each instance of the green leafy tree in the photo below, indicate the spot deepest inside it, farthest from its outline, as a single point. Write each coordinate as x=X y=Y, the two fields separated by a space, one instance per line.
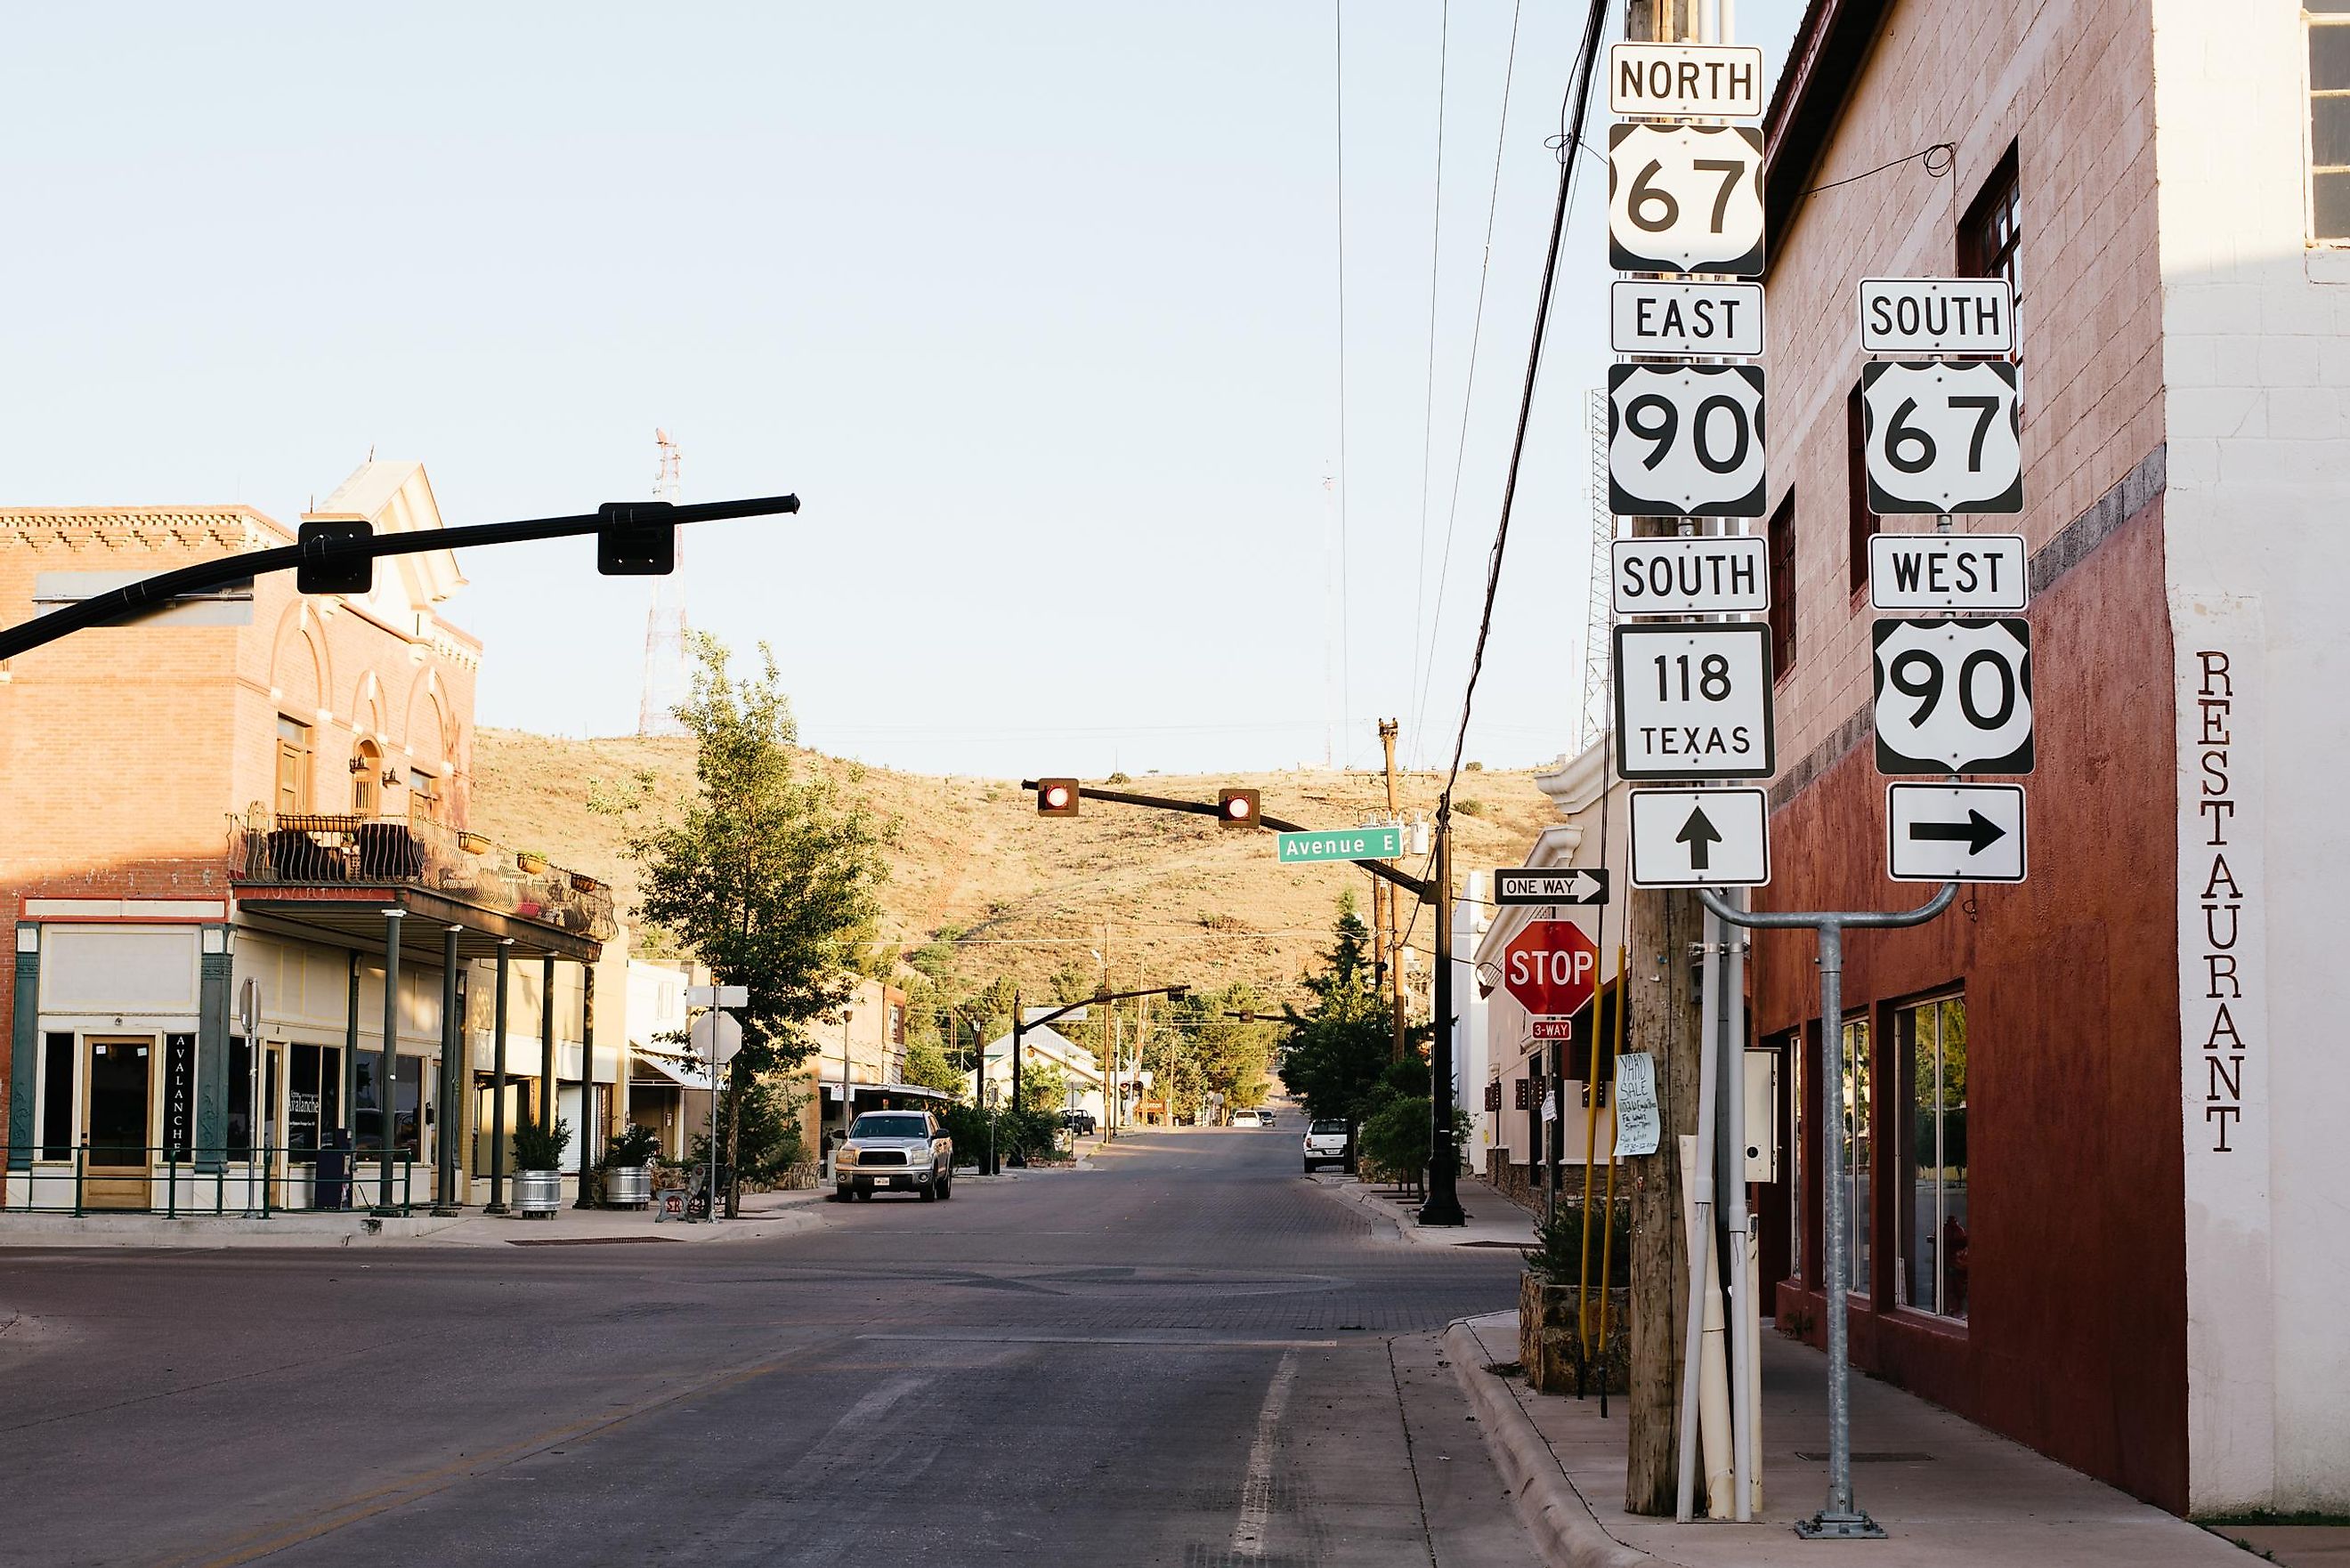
x=769 y=878
x=1339 y=1046
x=926 y=1065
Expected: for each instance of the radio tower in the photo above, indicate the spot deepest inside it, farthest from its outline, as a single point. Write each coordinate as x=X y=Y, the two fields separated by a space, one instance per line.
x=665 y=685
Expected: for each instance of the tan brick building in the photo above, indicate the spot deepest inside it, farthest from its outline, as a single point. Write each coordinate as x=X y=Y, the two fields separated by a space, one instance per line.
x=215 y=820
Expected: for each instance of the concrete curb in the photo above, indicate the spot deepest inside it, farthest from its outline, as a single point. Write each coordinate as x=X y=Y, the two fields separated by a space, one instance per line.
x=1357 y=1197
x=1553 y=1511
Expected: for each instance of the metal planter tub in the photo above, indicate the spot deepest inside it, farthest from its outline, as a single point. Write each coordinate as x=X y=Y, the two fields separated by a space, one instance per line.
x=537 y=1193
x=627 y=1186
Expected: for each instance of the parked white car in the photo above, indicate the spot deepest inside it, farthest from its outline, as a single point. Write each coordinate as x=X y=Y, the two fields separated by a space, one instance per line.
x=1247 y=1119
x=1325 y=1143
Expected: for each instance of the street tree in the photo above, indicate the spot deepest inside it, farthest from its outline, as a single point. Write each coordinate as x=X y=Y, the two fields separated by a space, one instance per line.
x=1340 y=1045
x=768 y=875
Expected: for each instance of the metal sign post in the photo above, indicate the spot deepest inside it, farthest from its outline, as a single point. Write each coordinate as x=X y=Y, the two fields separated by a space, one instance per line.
x=1839 y=1520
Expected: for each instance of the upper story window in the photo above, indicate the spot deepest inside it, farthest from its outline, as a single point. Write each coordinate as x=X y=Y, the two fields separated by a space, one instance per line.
x=423 y=796
x=292 y=766
x=2329 y=120
x=1859 y=520
x=1987 y=234
x=1779 y=546
x=367 y=780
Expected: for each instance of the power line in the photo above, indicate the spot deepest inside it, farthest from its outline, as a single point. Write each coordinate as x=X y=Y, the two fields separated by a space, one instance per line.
x=1428 y=400
x=1346 y=638
x=1579 y=94
x=1469 y=388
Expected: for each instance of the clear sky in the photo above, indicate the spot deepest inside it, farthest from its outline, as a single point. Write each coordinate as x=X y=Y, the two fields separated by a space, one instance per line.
x=1035 y=305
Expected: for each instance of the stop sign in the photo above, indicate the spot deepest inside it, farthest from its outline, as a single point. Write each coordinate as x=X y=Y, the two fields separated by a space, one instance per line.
x=1551 y=967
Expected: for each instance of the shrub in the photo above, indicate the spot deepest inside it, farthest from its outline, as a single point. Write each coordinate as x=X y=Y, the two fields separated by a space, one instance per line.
x=1556 y=1256
x=539 y=1147
x=631 y=1146
x=1394 y=1141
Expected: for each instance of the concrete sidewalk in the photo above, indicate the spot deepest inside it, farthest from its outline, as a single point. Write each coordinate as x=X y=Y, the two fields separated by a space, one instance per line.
x=1494 y=1220
x=1947 y=1491
x=763 y=1214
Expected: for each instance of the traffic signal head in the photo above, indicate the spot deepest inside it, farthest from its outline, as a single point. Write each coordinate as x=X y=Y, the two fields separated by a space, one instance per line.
x=1237 y=807
x=320 y=573
x=635 y=539
x=1057 y=797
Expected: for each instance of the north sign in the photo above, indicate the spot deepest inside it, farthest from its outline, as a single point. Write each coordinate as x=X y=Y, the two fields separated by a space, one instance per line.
x=1954 y=833
x=1341 y=844
x=1523 y=885
x=1716 y=81
x=1699 y=838
x=1725 y=575
x=1937 y=316
x=1685 y=197
x=1947 y=572
x=1693 y=701
x=1685 y=441
x=1551 y=968
x=1942 y=435
x=1954 y=696
x=1683 y=320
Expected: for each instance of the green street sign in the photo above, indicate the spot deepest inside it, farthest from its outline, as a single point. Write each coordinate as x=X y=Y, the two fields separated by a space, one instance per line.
x=1343 y=844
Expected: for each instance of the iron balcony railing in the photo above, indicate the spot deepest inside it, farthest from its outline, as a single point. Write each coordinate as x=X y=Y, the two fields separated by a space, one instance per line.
x=324 y=851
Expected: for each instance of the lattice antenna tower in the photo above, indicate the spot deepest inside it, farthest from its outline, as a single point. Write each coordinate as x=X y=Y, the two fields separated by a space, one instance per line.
x=1597 y=596
x=665 y=685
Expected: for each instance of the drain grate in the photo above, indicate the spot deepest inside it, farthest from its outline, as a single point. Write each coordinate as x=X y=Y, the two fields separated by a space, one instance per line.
x=1878 y=1457
x=1518 y=1246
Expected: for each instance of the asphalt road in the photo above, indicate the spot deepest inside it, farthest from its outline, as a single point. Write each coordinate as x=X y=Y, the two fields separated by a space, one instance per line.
x=1188 y=1356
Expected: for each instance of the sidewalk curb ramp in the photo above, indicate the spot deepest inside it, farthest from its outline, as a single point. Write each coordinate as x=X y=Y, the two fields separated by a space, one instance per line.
x=1553 y=1512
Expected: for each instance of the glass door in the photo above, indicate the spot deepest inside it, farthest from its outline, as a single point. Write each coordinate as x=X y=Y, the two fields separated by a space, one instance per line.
x=119 y=1116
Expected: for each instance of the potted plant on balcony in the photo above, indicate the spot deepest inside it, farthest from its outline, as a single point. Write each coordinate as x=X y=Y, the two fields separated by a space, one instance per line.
x=472 y=842
x=531 y=861
x=1550 y=1326
x=538 y=1169
x=583 y=883
x=628 y=1167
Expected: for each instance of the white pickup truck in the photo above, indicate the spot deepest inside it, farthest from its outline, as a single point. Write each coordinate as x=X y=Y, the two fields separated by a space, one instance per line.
x=894 y=1151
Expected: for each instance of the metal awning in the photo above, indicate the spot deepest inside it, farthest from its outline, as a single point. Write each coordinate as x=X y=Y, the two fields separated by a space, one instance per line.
x=353 y=916
x=684 y=1072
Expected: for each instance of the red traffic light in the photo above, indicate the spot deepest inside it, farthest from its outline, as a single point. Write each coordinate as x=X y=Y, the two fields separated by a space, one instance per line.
x=1237 y=807
x=1057 y=797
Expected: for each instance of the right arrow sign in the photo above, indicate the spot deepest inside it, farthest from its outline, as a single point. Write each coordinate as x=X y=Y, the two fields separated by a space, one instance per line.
x=1699 y=838
x=1954 y=833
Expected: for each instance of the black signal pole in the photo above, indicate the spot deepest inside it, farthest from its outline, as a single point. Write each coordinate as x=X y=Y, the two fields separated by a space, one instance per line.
x=1443 y=1204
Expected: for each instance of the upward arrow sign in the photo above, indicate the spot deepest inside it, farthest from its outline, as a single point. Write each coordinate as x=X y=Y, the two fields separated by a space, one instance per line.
x=1700 y=835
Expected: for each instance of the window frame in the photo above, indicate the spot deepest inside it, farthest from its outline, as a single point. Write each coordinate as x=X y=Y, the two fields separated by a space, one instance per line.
x=296 y=759
x=1855 y=1047
x=1907 y=1243
x=2311 y=21
x=1779 y=557
x=1860 y=523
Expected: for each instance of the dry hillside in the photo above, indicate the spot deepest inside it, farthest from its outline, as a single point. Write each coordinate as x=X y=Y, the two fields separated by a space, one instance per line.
x=1183 y=899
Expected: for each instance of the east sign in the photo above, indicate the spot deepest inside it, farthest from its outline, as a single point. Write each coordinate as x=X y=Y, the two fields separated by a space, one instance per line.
x=1551 y=968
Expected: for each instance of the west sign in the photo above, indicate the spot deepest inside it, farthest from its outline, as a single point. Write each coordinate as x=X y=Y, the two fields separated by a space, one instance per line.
x=1551 y=968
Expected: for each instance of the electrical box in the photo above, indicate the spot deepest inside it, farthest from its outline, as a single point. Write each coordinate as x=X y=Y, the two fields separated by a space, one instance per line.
x=1762 y=1115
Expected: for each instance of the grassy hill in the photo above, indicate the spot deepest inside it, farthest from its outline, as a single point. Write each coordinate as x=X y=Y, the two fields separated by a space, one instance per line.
x=1181 y=898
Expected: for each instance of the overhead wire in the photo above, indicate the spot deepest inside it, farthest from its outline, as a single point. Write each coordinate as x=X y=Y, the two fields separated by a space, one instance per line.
x=1469 y=387
x=1428 y=399
x=1578 y=96
x=1346 y=638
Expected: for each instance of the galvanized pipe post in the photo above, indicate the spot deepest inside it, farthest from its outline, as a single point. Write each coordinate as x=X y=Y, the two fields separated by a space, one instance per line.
x=387 y=1074
x=497 y=1203
x=1840 y=1520
x=453 y=1037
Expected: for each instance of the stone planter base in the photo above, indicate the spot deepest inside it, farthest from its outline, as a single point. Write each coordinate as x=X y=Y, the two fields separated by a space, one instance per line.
x=1550 y=1345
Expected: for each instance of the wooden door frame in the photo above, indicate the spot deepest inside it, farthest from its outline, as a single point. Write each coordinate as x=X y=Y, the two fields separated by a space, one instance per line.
x=119 y=1176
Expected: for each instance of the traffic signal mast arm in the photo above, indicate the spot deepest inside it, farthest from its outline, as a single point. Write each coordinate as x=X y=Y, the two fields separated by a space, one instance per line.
x=1042 y=1019
x=1379 y=869
x=99 y=609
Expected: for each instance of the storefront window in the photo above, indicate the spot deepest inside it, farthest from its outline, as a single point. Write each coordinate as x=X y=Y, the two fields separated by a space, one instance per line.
x=1931 y=1041
x=56 y=1096
x=1858 y=1169
x=313 y=1100
x=240 y=1098
x=408 y=1096
x=1799 y=1156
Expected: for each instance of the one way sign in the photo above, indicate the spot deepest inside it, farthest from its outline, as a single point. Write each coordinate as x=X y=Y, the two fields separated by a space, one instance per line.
x=1954 y=833
x=1524 y=885
x=1699 y=838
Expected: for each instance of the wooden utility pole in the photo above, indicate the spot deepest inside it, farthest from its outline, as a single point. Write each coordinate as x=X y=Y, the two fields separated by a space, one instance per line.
x=1394 y=894
x=1661 y=930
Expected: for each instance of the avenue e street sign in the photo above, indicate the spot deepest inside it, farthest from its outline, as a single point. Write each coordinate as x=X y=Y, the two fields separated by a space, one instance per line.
x=1937 y=316
x=1693 y=701
x=1682 y=320
x=1701 y=81
x=1954 y=696
x=1699 y=838
x=1942 y=435
x=1954 y=833
x=1723 y=575
x=1947 y=572
x=1525 y=885
x=1551 y=968
x=1341 y=844
x=1685 y=441
x=1685 y=197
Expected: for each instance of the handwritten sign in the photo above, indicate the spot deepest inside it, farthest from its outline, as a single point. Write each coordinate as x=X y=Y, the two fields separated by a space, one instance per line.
x=1637 y=1123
